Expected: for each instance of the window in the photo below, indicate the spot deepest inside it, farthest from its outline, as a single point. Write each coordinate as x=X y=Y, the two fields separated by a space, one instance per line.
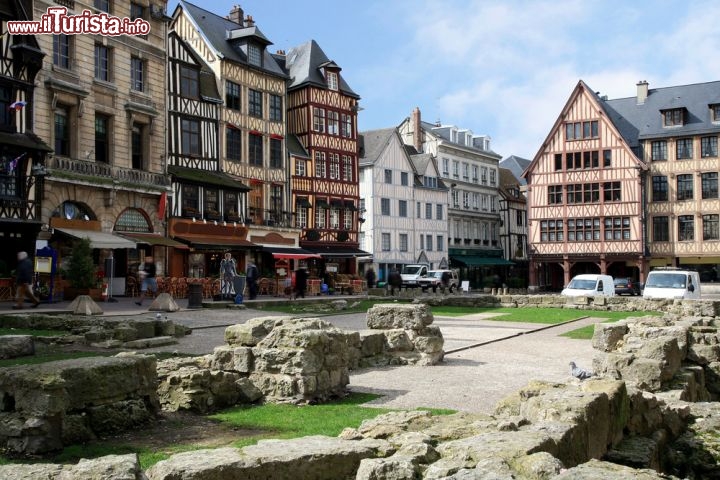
x=332 y=122
x=440 y=243
x=102 y=138
x=715 y=112
x=492 y=176
x=334 y=218
x=334 y=166
x=276 y=108
x=62 y=131
x=483 y=175
x=417 y=209
x=190 y=135
x=385 y=242
x=658 y=151
x=612 y=192
x=456 y=169
x=61 y=51
x=320 y=165
x=580 y=130
x=708 y=147
x=439 y=211
x=300 y=167
x=102 y=63
x=255 y=103
x=320 y=215
x=137 y=74
x=318 y=120
x=402 y=206
x=190 y=197
x=233 y=99
x=558 y=161
x=388 y=176
x=428 y=243
x=404 y=179
x=466 y=200
x=428 y=211
x=551 y=231
x=276 y=157
x=332 y=80
x=189 y=82
x=591 y=191
x=466 y=171
x=446 y=167
x=137 y=146
x=661 y=229
x=211 y=203
x=136 y=11
x=347 y=168
x=574 y=193
x=573 y=160
x=346 y=124
x=673 y=118
x=686 y=228
x=555 y=194
x=475 y=201
x=347 y=220
x=103 y=5
x=685 y=187
x=659 y=188
x=254 y=54
x=403 y=242
x=385 y=206
x=710 y=227
x=455 y=198
x=709 y=183
x=684 y=148
x=301 y=217
x=617 y=228
x=583 y=229
x=233 y=144
x=607 y=158
x=255 y=149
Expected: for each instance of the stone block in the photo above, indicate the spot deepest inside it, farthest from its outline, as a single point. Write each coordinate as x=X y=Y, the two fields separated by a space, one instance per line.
x=402 y=316
x=253 y=331
x=12 y=346
x=607 y=336
x=373 y=343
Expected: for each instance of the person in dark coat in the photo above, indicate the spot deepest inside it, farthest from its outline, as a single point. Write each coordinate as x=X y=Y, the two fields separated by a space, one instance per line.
x=301 y=278
x=24 y=282
x=370 y=277
x=252 y=274
x=395 y=281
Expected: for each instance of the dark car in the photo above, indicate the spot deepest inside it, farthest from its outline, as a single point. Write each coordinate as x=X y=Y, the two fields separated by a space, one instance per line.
x=626 y=286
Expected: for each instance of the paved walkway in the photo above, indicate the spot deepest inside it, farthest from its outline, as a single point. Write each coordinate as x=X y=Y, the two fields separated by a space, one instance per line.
x=488 y=359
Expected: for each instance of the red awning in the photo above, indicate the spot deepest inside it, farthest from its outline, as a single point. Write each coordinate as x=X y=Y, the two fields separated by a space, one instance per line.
x=208 y=242
x=290 y=253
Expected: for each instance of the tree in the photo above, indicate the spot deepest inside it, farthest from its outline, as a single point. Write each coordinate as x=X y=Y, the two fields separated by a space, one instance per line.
x=81 y=269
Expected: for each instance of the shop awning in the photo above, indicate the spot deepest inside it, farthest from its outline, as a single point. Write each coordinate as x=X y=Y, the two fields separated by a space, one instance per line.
x=350 y=205
x=207 y=242
x=478 y=261
x=99 y=239
x=340 y=252
x=303 y=202
x=154 y=239
x=206 y=177
x=290 y=253
x=336 y=203
x=321 y=202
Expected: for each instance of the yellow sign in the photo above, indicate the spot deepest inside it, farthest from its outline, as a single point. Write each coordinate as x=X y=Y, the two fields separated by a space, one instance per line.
x=43 y=264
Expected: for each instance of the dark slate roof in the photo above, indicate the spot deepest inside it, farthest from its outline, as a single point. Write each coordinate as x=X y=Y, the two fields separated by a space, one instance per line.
x=444 y=133
x=303 y=64
x=516 y=165
x=508 y=181
x=639 y=122
x=218 y=30
x=420 y=162
x=295 y=147
x=373 y=144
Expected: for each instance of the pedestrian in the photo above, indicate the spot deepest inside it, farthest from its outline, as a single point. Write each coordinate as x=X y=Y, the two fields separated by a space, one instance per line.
x=395 y=281
x=301 y=277
x=24 y=280
x=147 y=273
x=227 y=269
x=445 y=281
x=252 y=275
x=370 y=277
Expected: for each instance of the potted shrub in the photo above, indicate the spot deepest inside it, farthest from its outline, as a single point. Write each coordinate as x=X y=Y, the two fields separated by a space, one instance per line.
x=80 y=272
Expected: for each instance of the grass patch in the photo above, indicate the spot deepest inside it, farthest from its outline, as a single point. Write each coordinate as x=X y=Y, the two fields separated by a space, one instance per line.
x=587 y=332
x=549 y=316
x=34 y=333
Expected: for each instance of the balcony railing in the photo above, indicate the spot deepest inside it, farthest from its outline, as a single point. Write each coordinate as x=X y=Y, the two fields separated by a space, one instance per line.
x=104 y=173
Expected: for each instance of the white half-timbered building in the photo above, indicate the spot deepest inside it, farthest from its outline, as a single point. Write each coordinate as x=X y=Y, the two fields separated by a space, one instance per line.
x=513 y=228
x=585 y=199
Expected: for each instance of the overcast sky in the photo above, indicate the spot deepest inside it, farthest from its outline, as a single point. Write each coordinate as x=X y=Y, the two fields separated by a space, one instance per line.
x=499 y=68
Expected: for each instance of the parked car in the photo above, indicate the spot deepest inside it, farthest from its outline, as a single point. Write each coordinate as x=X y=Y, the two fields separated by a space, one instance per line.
x=412 y=273
x=626 y=286
x=672 y=283
x=433 y=280
x=590 y=285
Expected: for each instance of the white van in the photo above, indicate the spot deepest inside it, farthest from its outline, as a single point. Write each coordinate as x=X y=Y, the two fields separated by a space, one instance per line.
x=672 y=283
x=590 y=285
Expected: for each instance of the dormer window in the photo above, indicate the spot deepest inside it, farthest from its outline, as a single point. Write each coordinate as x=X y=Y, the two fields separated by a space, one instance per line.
x=254 y=55
x=332 y=80
x=674 y=117
x=715 y=112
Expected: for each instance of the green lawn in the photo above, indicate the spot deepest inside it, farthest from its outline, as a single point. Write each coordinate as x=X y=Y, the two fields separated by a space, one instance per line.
x=535 y=315
x=263 y=421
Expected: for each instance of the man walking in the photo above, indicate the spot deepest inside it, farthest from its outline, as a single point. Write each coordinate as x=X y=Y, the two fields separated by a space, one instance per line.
x=24 y=282
x=252 y=275
x=149 y=282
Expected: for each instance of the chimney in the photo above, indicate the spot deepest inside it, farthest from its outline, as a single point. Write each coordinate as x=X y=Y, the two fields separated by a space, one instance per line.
x=280 y=52
x=249 y=22
x=417 y=130
x=236 y=15
x=642 y=91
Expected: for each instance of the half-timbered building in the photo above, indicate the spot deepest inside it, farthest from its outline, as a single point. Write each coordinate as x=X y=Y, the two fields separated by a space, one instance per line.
x=22 y=153
x=322 y=114
x=674 y=130
x=403 y=204
x=470 y=168
x=585 y=198
x=513 y=228
x=100 y=103
x=251 y=129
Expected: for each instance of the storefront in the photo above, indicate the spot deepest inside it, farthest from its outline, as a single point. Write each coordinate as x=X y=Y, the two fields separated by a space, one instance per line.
x=482 y=268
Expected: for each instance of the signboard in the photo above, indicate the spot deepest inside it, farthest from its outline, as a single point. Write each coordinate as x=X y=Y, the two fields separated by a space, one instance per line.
x=331 y=267
x=43 y=264
x=281 y=268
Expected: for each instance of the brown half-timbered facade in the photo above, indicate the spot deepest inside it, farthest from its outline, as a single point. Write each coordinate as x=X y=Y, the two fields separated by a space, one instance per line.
x=322 y=114
x=22 y=153
x=585 y=198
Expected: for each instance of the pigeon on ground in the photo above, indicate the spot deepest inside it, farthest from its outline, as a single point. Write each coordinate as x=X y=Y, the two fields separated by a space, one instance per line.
x=578 y=372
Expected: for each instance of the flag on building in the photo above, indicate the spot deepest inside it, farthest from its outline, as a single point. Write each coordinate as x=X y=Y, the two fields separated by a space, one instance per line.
x=17 y=105
x=13 y=163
